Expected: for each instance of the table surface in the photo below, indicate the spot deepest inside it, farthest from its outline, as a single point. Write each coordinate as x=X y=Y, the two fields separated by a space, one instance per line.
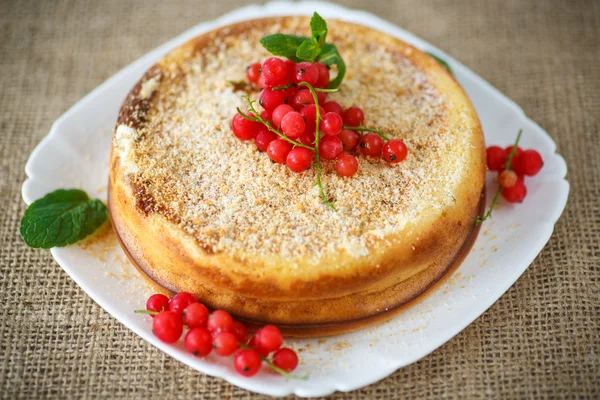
x=540 y=340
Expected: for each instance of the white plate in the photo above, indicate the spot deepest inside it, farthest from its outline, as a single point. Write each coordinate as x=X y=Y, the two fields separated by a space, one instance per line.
x=75 y=155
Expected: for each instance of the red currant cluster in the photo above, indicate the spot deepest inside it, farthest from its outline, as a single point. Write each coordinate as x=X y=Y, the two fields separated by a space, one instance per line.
x=208 y=331
x=512 y=179
x=294 y=99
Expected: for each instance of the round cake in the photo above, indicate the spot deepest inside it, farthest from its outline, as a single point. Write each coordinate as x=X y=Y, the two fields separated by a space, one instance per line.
x=200 y=211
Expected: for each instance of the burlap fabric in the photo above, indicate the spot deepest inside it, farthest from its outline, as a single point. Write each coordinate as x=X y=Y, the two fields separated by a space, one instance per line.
x=540 y=340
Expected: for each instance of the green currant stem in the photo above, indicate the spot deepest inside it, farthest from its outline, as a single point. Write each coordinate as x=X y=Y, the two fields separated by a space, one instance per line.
x=326 y=90
x=364 y=129
x=513 y=151
x=146 y=312
x=317 y=138
x=282 y=87
x=273 y=366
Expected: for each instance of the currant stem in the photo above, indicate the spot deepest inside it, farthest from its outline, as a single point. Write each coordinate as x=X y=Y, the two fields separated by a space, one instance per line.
x=282 y=87
x=513 y=151
x=364 y=129
x=146 y=312
x=273 y=366
x=317 y=138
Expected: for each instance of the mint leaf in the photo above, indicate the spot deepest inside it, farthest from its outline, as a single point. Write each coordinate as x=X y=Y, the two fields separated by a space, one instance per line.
x=441 y=61
x=308 y=51
x=283 y=45
x=331 y=56
x=318 y=28
x=60 y=218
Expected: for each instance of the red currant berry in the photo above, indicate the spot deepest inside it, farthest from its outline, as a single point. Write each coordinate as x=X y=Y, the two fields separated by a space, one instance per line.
x=495 y=158
x=349 y=139
x=289 y=94
x=195 y=315
x=278 y=150
x=371 y=145
x=247 y=362
x=268 y=338
x=307 y=72
x=286 y=359
x=308 y=138
x=252 y=344
x=225 y=343
x=167 y=326
x=180 y=301
x=323 y=81
x=266 y=115
x=516 y=193
x=279 y=113
x=270 y=98
x=507 y=178
x=253 y=72
x=243 y=128
x=290 y=71
x=330 y=147
x=353 y=116
x=331 y=124
x=515 y=159
x=263 y=138
x=530 y=163
x=274 y=72
x=333 y=106
x=299 y=159
x=219 y=321
x=394 y=151
x=198 y=341
x=346 y=165
x=293 y=125
x=302 y=98
x=321 y=97
x=309 y=113
x=240 y=331
x=157 y=302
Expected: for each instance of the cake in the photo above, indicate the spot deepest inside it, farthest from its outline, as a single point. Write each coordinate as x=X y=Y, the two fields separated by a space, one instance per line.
x=197 y=210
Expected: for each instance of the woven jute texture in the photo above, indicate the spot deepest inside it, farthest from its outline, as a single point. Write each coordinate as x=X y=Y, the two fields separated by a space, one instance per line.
x=540 y=340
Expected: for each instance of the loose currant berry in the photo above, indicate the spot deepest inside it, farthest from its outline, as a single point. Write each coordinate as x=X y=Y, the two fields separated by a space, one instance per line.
x=307 y=72
x=270 y=98
x=330 y=147
x=286 y=359
x=219 y=321
x=331 y=124
x=195 y=315
x=240 y=331
x=394 y=151
x=268 y=338
x=371 y=145
x=263 y=138
x=278 y=150
x=302 y=98
x=530 y=163
x=308 y=138
x=279 y=113
x=180 y=301
x=260 y=351
x=495 y=158
x=309 y=113
x=243 y=128
x=274 y=72
x=333 y=106
x=253 y=72
x=167 y=326
x=157 y=302
x=323 y=81
x=507 y=178
x=293 y=125
x=349 y=139
x=225 y=343
x=299 y=159
x=346 y=165
x=353 y=116
x=516 y=193
x=247 y=362
x=198 y=341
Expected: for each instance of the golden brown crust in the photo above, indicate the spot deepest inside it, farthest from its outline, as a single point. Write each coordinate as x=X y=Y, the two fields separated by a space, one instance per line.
x=398 y=266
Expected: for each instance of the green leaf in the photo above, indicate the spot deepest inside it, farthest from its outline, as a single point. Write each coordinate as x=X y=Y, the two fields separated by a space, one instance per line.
x=283 y=45
x=60 y=218
x=308 y=51
x=318 y=28
x=331 y=56
x=441 y=61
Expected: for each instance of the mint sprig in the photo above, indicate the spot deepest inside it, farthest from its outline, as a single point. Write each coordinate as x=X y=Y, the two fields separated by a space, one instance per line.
x=315 y=48
x=61 y=218
x=441 y=61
